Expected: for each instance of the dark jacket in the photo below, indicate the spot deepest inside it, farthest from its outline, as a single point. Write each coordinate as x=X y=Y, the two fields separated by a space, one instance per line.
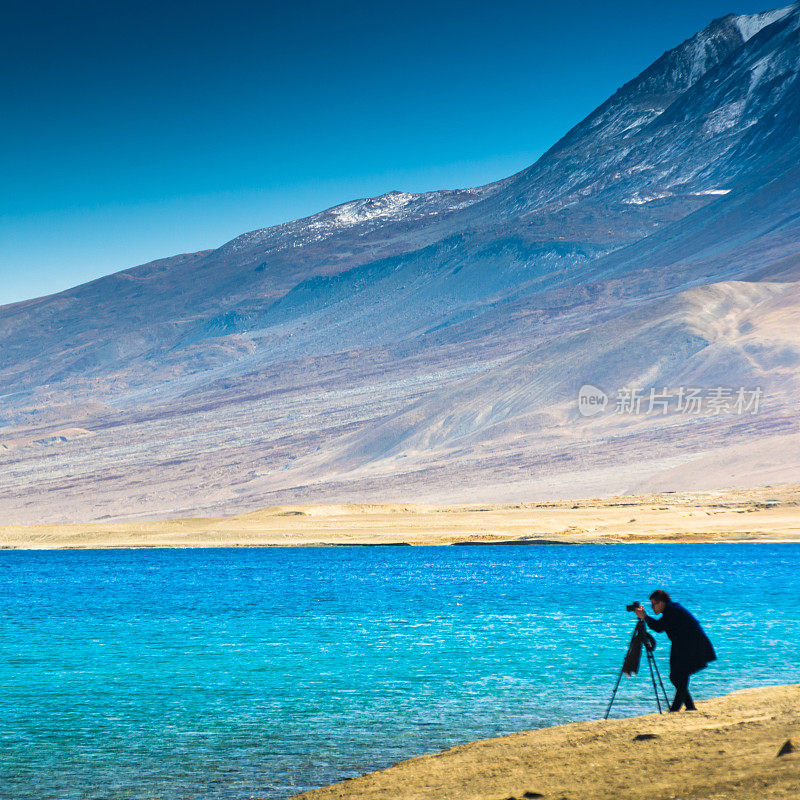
x=691 y=648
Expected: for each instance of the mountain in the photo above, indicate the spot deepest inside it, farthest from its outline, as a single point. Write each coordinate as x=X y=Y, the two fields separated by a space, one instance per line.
x=433 y=346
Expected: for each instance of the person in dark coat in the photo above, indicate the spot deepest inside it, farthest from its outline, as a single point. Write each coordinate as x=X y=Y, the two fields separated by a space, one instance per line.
x=691 y=648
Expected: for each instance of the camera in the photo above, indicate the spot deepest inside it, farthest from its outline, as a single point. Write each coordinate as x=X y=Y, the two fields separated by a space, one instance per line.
x=633 y=606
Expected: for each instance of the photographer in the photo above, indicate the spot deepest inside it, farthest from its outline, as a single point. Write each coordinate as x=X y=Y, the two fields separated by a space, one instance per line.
x=691 y=648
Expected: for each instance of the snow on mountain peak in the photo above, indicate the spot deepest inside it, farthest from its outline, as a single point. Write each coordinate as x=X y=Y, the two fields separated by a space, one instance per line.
x=356 y=211
x=366 y=214
x=750 y=24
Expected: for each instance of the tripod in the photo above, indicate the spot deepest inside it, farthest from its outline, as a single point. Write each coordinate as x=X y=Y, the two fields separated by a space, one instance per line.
x=630 y=666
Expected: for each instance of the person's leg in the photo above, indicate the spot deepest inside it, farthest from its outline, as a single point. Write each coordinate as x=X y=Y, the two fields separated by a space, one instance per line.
x=673 y=677
x=680 y=680
x=690 y=706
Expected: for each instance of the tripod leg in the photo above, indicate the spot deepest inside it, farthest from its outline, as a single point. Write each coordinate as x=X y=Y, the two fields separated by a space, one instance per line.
x=613 y=695
x=660 y=682
x=650 y=661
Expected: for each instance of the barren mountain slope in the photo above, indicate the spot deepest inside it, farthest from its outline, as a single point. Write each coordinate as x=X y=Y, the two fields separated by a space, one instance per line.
x=432 y=346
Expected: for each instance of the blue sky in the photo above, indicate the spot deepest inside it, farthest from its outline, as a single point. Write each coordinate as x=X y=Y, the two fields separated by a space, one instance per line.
x=134 y=131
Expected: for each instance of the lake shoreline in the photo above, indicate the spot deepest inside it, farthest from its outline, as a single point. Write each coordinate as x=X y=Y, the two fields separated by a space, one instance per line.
x=762 y=514
x=727 y=749
x=270 y=546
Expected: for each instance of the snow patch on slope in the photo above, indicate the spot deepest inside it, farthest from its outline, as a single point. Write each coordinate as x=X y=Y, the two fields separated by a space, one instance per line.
x=639 y=199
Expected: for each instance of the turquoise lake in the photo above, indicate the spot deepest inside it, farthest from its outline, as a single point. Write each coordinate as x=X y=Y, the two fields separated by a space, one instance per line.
x=262 y=672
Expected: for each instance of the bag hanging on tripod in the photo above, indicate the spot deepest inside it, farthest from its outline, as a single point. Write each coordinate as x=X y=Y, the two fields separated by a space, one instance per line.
x=641 y=638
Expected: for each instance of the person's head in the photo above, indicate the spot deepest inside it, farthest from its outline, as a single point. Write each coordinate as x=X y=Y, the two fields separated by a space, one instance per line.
x=658 y=600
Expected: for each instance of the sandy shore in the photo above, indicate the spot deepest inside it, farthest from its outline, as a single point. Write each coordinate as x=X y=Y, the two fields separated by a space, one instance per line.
x=726 y=750
x=763 y=514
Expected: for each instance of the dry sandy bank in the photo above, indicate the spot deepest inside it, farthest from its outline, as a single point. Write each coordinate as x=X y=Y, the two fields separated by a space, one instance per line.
x=727 y=750
x=765 y=513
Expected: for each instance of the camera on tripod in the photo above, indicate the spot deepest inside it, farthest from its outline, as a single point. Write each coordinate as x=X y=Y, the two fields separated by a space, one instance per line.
x=633 y=606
